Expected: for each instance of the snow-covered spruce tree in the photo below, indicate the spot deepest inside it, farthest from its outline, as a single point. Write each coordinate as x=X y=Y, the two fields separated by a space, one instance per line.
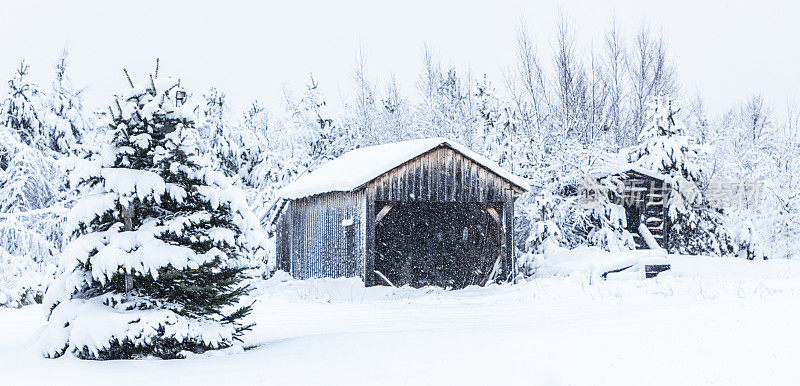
x=30 y=181
x=154 y=266
x=30 y=188
x=545 y=231
x=20 y=109
x=65 y=122
x=328 y=140
x=496 y=126
x=30 y=230
x=543 y=235
x=218 y=136
x=664 y=147
x=607 y=219
x=29 y=178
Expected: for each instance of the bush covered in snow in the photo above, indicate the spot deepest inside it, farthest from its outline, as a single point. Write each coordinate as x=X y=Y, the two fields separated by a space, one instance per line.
x=544 y=231
x=22 y=281
x=32 y=185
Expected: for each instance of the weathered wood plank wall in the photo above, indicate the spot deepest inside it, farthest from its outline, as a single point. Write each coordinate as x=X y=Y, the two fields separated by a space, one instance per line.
x=509 y=263
x=283 y=242
x=650 y=195
x=314 y=238
x=442 y=175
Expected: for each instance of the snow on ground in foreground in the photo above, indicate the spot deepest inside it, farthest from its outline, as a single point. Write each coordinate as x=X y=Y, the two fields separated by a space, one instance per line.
x=709 y=321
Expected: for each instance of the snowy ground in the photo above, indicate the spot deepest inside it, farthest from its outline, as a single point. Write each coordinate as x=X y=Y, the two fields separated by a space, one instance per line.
x=708 y=321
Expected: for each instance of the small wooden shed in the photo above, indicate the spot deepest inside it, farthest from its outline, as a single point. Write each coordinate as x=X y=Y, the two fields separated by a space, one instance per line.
x=644 y=194
x=421 y=212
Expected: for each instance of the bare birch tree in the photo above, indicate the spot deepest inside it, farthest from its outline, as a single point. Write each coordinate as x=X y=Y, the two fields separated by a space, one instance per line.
x=651 y=73
x=615 y=58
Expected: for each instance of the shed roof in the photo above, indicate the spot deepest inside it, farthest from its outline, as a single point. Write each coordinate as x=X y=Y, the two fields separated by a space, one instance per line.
x=619 y=163
x=629 y=167
x=358 y=167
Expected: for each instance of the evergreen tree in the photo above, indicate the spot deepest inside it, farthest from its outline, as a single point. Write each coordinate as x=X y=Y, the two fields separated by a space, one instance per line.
x=158 y=246
x=395 y=114
x=497 y=134
x=491 y=136
x=19 y=111
x=326 y=139
x=665 y=148
x=64 y=118
x=217 y=135
x=362 y=113
x=607 y=219
x=253 y=140
x=545 y=231
x=31 y=181
x=447 y=107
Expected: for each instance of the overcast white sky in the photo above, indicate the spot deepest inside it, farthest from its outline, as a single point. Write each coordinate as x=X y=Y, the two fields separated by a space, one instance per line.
x=726 y=50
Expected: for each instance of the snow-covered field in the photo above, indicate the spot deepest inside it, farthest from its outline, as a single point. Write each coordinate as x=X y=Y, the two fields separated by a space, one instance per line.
x=708 y=321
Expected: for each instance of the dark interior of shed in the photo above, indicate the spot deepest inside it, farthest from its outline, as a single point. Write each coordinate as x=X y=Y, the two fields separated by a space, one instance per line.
x=437 y=243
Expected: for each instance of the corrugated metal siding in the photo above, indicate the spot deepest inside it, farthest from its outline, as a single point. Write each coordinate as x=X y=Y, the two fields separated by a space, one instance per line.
x=317 y=240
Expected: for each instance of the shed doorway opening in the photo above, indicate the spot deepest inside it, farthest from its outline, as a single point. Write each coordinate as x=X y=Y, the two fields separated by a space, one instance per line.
x=437 y=243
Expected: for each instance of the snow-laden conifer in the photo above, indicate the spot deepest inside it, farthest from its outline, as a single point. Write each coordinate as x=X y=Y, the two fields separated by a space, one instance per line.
x=158 y=245
x=30 y=181
x=21 y=280
x=326 y=139
x=609 y=226
x=19 y=109
x=545 y=231
x=218 y=136
x=63 y=116
x=664 y=147
x=544 y=234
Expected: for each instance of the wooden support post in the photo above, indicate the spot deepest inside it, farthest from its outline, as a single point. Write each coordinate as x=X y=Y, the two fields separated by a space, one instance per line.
x=509 y=265
x=493 y=212
x=383 y=212
x=495 y=269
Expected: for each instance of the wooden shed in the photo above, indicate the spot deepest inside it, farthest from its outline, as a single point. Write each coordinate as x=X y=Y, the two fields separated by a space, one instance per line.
x=644 y=194
x=421 y=212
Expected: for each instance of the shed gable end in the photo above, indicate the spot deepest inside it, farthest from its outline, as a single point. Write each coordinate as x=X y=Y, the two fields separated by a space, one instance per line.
x=441 y=174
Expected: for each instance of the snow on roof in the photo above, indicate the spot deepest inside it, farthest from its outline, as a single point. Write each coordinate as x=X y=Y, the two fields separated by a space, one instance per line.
x=358 y=167
x=645 y=171
x=622 y=168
